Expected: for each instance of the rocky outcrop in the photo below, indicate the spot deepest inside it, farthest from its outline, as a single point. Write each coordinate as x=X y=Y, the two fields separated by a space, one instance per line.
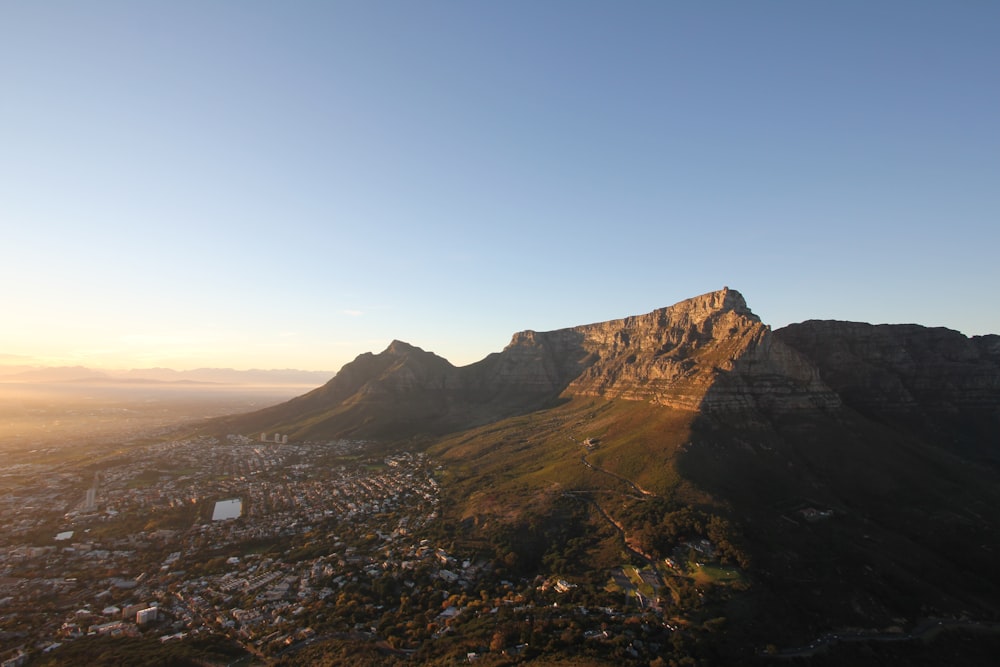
x=706 y=353
x=534 y=362
x=902 y=369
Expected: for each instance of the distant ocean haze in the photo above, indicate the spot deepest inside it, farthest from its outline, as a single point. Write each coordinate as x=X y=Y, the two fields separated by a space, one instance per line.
x=49 y=414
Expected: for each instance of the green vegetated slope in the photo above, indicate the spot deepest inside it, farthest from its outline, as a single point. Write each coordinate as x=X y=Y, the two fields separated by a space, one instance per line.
x=833 y=520
x=635 y=445
x=580 y=489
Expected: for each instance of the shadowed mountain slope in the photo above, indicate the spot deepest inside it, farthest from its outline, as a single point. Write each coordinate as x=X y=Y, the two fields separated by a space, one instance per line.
x=935 y=382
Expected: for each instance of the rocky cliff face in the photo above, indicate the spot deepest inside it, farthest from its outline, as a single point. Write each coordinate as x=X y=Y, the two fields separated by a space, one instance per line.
x=903 y=369
x=707 y=353
x=534 y=362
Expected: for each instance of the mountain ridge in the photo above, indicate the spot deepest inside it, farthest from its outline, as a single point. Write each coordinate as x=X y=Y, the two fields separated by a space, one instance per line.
x=710 y=352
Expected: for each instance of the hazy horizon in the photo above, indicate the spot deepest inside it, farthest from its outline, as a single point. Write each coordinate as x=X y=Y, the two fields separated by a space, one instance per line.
x=67 y=415
x=6 y=364
x=253 y=185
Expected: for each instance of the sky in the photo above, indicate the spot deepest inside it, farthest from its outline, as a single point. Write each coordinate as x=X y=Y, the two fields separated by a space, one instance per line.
x=288 y=185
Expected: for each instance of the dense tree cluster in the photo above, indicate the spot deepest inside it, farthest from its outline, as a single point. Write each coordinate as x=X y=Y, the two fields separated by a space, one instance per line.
x=659 y=526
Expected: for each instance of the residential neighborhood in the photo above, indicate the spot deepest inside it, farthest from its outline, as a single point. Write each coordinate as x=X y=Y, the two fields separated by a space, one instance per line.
x=318 y=538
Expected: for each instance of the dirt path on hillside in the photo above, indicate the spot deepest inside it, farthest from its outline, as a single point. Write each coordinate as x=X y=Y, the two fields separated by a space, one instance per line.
x=638 y=489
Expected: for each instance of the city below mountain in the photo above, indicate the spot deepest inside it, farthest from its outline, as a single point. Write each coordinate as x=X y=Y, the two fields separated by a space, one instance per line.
x=841 y=477
x=684 y=487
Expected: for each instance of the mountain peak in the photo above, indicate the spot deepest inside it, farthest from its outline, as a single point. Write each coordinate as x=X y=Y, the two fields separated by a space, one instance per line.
x=730 y=299
x=398 y=347
x=719 y=301
x=708 y=352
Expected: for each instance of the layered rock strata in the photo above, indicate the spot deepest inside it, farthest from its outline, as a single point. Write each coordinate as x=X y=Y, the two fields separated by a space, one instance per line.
x=902 y=368
x=707 y=353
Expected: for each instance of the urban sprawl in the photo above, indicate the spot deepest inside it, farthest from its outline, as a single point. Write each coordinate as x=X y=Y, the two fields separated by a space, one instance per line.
x=275 y=546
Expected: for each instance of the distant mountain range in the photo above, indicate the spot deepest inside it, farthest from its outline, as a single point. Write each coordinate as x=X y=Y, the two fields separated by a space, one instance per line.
x=851 y=470
x=81 y=374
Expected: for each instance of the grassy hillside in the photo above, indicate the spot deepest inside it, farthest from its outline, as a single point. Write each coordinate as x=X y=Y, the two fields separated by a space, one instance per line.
x=830 y=520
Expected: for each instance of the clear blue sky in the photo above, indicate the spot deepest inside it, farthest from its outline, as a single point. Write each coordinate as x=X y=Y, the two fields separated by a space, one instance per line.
x=289 y=184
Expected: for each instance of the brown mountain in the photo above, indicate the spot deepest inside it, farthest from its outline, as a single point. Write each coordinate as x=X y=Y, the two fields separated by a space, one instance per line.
x=706 y=353
x=932 y=380
x=850 y=470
